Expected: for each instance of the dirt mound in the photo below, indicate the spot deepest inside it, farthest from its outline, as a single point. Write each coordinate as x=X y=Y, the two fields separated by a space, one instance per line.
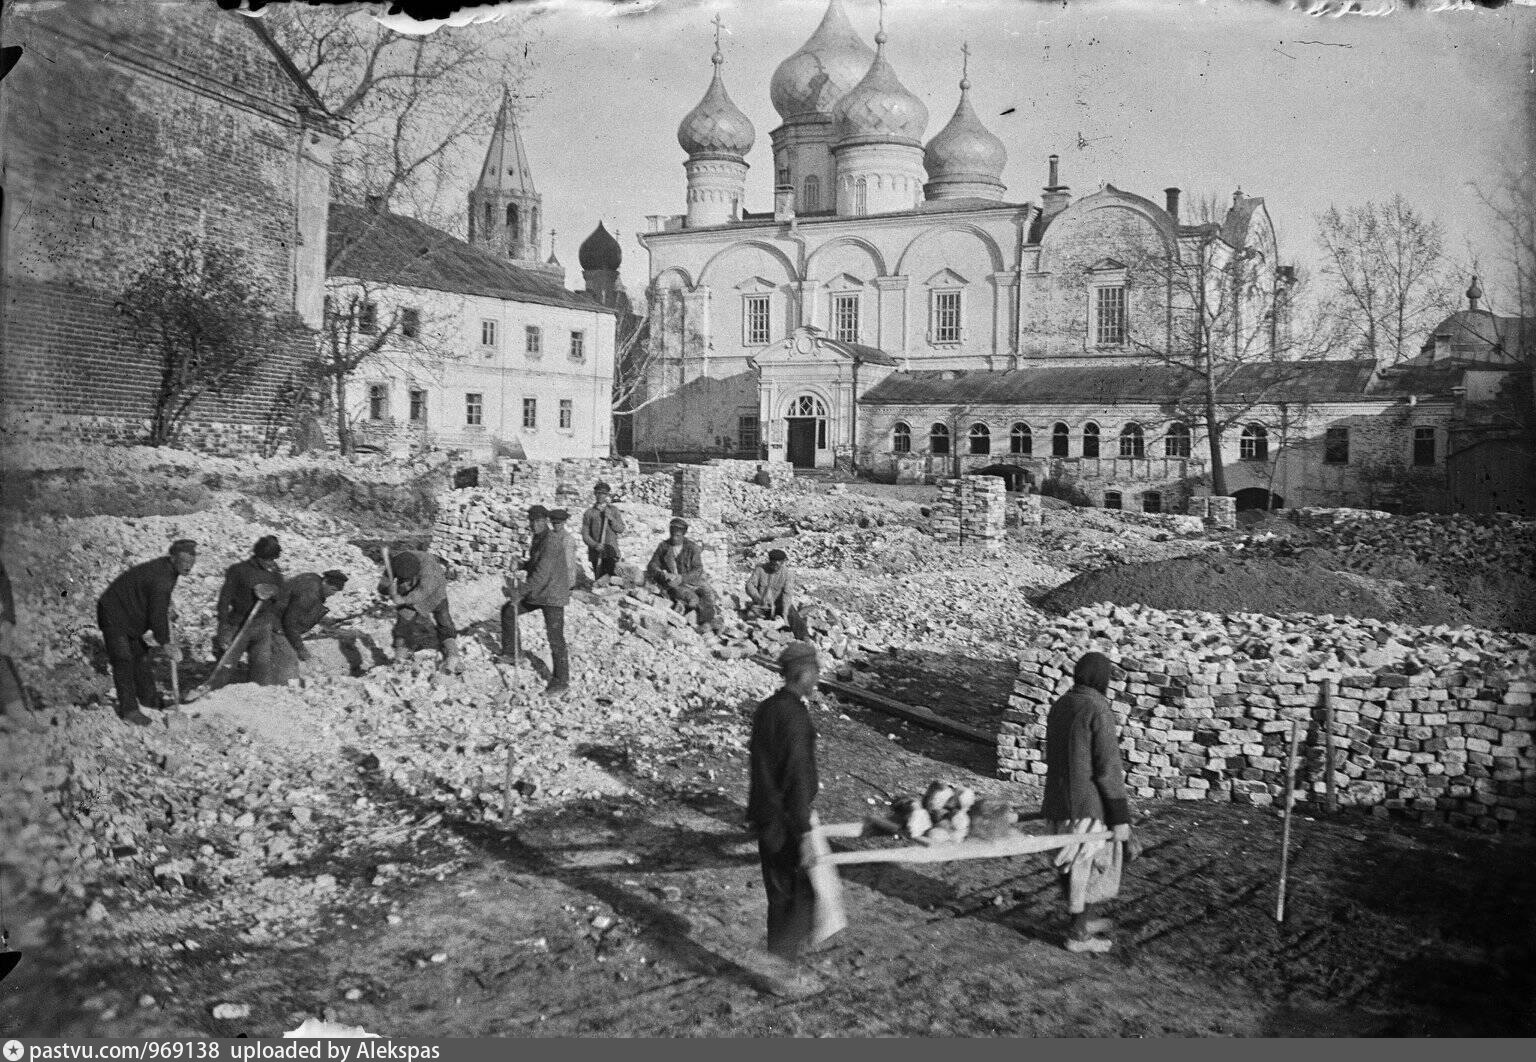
x=1272 y=586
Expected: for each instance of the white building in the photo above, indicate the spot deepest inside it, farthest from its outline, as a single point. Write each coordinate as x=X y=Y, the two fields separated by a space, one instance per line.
x=469 y=345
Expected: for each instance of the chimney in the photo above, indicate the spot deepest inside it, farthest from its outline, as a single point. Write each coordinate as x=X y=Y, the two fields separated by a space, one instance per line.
x=1474 y=293
x=1056 y=196
x=784 y=203
x=1171 y=195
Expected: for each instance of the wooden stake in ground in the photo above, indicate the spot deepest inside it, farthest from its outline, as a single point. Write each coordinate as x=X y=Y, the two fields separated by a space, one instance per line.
x=1285 y=830
x=1333 y=795
x=506 y=791
x=175 y=665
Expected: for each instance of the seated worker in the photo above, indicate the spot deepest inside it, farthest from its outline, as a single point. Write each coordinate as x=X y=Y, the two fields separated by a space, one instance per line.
x=772 y=592
x=677 y=570
x=420 y=588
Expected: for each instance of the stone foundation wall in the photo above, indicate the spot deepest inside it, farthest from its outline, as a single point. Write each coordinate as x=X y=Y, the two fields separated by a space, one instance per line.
x=1431 y=723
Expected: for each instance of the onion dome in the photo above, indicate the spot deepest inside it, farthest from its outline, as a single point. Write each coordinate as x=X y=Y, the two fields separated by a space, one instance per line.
x=600 y=250
x=812 y=80
x=879 y=109
x=716 y=126
x=965 y=149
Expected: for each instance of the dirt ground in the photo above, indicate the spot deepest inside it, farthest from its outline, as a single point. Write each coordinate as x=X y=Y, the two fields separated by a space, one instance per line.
x=637 y=911
x=635 y=916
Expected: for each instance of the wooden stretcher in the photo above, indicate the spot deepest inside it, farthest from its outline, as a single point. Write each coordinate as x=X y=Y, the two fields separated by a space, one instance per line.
x=821 y=862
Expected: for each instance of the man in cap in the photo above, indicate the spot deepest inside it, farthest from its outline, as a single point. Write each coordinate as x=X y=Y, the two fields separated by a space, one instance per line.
x=601 y=526
x=255 y=579
x=558 y=518
x=420 y=588
x=134 y=614
x=677 y=569
x=772 y=591
x=301 y=607
x=782 y=785
x=1085 y=793
x=546 y=588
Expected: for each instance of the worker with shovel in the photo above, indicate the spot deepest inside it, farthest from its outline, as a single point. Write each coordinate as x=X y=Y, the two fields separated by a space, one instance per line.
x=255 y=579
x=1084 y=793
x=302 y=606
x=134 y=614
x=547 y=588
x=416 y=583
x=782 y=785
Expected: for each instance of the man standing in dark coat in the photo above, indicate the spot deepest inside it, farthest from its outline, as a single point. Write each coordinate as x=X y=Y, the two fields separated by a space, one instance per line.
x=601 y=527
x=257 y=578
x=783 y=784
x=134 y=614
x=548 y=589
x=1085 y=793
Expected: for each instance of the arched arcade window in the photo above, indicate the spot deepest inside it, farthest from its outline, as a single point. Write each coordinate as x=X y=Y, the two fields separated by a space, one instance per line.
x=1176 y=442
x=1132 y=441
x=981 y=439
x=1061 y=440
x=1020 y=440
x=938 y=439
x=901 y=438
x=1090 y=440
x=1254 y=443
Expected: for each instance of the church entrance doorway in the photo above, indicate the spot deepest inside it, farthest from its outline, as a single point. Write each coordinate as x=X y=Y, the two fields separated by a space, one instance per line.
x=801 y=443
x=807 y=434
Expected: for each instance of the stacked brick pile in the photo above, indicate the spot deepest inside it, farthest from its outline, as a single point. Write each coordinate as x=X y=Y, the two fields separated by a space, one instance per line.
x=1501 y=540
x=696 y=492
x=1433 y=722
x=1216 y=511
x=970 y=509
x=1313 y=516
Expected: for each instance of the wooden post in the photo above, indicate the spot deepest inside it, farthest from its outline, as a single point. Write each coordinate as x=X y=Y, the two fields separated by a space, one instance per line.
x=1285 y=830
x=1332 y=791
x=506 y=790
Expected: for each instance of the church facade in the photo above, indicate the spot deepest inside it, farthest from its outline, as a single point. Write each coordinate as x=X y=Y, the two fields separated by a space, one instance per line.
x=898 y=314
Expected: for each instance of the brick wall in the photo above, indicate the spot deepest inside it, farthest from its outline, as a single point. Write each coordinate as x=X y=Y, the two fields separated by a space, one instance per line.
x=146 y=124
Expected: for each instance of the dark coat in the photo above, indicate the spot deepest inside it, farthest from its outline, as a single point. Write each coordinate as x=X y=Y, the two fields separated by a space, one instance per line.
x=689 y=563
x=1084 y=776
x=7 y=602
x=139 y=600
x=238 y=595
x=782 y=769
x=602 y=527
x=303 y=606
x=549 y=571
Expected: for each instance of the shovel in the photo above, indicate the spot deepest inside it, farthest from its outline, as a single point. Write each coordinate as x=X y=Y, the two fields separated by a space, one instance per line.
x=175 y=665
x=226 y=662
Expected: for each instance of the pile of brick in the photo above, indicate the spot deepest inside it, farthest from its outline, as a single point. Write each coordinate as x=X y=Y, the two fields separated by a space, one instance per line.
x=1435 y=722
x=1501 y=541
x=1214 y=510
x=970 y=509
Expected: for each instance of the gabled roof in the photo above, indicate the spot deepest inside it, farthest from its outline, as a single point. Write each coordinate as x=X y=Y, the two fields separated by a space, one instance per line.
x=393 y=249
x=1116 y=385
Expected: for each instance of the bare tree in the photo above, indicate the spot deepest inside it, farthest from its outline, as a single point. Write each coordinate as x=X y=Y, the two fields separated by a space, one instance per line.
x=357 y=335
x=199 y=314
x=1389 y=274
x=416 y=108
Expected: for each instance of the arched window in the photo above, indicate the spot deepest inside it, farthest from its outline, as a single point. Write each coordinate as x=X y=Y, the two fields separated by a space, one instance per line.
x=1090 y=440
x=938 y=439
x=901 y=438
x=981 y=439
x=512 y=216
x=1151 y=502
x=812 y=194
x=1132 y=441
x=1020 y=440
x=1176 y=442
x=861 y=196
x=1254 y=444
x=1061 y=438
x=1112 y=499
x=811 y=407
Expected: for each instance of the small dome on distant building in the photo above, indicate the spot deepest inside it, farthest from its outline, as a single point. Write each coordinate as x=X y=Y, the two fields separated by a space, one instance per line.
x=600 y=250
x=879 y=109
x=813 y=79
x=965 y=150
x=716 y=126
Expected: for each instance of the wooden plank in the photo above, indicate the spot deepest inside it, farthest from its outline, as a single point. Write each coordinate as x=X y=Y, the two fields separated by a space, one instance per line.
x=1023 y=844
x=909 y=712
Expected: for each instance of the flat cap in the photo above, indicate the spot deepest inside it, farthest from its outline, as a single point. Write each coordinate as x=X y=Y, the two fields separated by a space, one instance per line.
x=336 y=576
x=795 y=653
x=602 y=488
x=678 y=524
x=559 y=516
x=538 y=512
x=184 y=545
x=777 y=555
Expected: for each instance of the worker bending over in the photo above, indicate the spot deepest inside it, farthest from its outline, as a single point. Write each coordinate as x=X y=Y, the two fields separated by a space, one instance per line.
x=134 y=614
x=301 y=607
x=420 y=588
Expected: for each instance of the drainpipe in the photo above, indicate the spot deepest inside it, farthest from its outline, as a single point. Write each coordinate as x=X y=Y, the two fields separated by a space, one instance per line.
x=853 y=434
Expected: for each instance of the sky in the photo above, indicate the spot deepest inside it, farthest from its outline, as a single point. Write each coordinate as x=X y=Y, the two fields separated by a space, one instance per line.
x=1206 y=95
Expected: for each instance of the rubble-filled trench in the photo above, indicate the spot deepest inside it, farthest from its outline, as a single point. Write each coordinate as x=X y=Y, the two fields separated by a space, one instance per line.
x=426 y=854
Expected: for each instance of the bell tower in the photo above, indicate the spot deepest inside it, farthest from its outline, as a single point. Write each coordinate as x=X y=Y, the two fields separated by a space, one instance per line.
x=504 y=206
